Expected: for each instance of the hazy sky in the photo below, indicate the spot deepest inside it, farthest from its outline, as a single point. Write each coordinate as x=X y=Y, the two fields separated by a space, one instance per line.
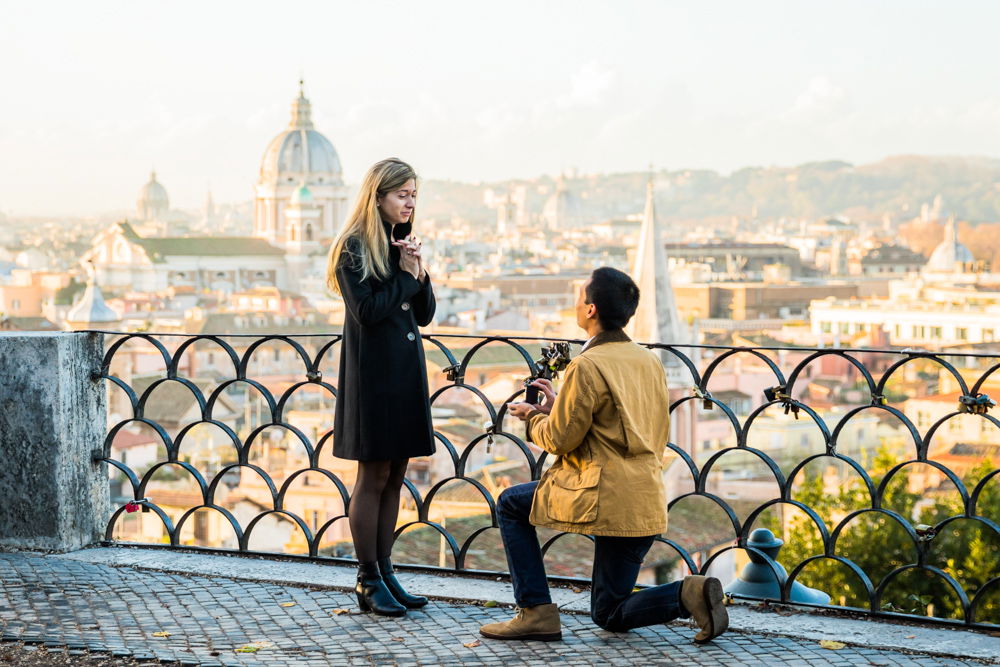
x=95 y=94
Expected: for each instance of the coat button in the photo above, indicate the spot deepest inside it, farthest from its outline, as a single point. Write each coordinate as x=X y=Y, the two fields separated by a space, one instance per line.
x=410 y=336
x=405 y=306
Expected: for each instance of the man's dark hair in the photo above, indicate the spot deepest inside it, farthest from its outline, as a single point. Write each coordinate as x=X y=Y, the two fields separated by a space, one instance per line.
x=616 y=296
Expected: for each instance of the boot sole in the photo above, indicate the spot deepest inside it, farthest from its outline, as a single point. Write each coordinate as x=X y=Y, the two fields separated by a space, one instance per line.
x=718 y=615
x=541 y=637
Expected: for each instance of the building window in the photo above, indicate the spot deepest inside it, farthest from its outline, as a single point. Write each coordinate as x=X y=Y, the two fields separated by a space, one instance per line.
x=987 y=335
x=845 y=327
x=936 y=333
x=15 y=304
x=961 y=333
x=898 y=331
x=825 y=327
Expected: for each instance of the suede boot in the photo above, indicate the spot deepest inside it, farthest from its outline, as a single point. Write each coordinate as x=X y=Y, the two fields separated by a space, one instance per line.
x=540 y=622
x=396 y=588
x=703 y=598
x=372 y=592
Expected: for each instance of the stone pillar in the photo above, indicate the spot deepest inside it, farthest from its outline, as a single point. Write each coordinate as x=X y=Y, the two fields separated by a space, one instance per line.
x=53 y=414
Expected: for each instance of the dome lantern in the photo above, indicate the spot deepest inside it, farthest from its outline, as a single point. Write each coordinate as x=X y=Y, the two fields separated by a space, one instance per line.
x=301 y=152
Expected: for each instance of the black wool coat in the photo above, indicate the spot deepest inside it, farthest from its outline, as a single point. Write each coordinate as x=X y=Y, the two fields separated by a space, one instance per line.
x=383 y=407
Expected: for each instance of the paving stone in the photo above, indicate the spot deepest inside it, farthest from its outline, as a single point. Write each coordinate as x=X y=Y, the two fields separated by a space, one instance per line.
x=117 y=610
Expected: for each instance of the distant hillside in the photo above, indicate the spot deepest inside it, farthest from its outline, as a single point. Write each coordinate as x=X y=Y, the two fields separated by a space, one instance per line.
x=969 y=187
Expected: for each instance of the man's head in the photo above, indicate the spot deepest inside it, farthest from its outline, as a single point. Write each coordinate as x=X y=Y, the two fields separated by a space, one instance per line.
x=606 y=301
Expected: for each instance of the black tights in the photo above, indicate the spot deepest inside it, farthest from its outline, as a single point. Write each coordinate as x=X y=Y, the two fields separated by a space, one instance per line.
x=375 y=506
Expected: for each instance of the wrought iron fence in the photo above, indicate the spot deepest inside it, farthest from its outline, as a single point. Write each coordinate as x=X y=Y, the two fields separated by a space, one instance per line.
x=878 y=468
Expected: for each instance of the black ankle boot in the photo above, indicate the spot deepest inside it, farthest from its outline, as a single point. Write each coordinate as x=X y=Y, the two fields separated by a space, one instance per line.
x=373 y=594
x=396 y=588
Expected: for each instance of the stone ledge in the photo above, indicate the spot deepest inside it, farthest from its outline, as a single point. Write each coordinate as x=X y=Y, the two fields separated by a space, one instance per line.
x=871 y=633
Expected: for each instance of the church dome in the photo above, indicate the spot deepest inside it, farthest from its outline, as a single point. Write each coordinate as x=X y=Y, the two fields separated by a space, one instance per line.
x=950 y=256
x=153 y=202
x=91 y=309
x=300 y=152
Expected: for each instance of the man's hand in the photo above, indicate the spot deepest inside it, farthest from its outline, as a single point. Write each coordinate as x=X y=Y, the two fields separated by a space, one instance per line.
x=545 y=386
x=521 y=411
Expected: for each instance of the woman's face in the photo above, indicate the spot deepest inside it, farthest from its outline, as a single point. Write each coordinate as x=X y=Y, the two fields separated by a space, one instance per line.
x=397 y=206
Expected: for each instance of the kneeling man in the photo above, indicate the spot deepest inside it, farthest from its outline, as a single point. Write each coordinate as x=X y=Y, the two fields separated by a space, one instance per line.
x=608 y=428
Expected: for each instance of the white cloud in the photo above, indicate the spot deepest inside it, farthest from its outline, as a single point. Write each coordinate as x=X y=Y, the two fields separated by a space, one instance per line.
x=821 y=100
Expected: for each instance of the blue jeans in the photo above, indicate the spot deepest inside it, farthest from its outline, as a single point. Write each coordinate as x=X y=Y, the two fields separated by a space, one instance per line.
x=617 y=561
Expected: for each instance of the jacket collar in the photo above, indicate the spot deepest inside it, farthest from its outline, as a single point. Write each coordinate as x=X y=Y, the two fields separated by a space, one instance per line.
x=613 y=336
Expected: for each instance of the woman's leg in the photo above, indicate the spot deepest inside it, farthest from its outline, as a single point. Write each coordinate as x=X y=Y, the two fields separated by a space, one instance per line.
x=388 y=513
x=364 y=510
x=389 y=506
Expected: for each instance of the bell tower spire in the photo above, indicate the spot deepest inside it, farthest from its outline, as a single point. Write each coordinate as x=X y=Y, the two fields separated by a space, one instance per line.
x=657 y=319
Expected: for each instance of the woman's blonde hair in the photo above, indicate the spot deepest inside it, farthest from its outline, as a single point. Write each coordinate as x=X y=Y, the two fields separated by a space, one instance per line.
x=365 y=223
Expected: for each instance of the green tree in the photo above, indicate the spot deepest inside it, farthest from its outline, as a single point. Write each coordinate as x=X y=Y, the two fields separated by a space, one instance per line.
x=966 y=549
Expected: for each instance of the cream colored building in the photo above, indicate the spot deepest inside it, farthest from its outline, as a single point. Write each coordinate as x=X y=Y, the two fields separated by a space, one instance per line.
x=299 y=156
x=127 y=262
x=950 y=302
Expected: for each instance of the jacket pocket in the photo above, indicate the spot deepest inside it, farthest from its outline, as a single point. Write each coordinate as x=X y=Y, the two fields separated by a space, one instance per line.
x=573 y=495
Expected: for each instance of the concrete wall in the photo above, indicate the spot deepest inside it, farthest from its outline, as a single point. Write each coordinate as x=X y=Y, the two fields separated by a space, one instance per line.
x=53 y=496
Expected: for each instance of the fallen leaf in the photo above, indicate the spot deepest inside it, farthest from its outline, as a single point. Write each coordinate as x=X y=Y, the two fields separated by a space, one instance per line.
x=398 y=639
x=338 y=612
x=491 y=603
x=287 y=604
x=161 y=634
x=910 y=637
x=832 y=645
x=253 y=647
x=576 y=590
x=471 y=644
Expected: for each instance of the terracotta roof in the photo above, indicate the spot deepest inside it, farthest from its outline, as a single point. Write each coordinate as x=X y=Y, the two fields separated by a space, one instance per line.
x=27 y=324
x=125 y=439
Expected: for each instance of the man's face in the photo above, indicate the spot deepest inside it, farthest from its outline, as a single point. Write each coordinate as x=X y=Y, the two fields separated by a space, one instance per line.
x=585 y=312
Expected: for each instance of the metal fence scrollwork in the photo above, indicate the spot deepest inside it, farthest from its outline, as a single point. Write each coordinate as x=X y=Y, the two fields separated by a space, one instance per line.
x=878 y=469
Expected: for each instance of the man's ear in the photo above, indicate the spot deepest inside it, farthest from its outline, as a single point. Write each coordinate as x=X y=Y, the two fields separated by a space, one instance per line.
x=591 y=312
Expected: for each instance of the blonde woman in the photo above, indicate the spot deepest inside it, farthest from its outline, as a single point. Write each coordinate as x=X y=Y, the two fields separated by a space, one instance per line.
x=383 y=411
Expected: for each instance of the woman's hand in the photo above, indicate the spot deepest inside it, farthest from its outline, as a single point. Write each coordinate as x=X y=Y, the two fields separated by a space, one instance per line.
x=408 y=260
x=410 y=250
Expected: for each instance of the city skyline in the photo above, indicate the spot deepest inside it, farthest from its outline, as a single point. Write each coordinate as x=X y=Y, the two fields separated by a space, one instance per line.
x=197 y=93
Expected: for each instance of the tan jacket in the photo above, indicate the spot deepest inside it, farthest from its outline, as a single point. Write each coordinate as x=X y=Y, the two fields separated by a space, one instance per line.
x=608 y=427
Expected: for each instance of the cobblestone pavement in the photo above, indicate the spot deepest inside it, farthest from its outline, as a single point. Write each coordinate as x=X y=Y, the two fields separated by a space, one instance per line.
x=121 y=611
